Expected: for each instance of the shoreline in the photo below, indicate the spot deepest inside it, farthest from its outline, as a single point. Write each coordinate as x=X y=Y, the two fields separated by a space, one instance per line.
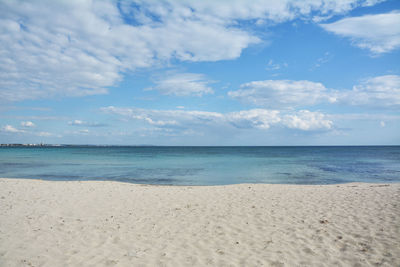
x=195 y=185
x=106 y=223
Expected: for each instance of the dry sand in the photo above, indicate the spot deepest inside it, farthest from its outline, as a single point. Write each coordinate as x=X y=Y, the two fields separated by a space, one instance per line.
x=45 y=223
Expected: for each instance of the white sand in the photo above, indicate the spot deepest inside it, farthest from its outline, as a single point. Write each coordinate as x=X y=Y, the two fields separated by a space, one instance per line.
x=46 y=223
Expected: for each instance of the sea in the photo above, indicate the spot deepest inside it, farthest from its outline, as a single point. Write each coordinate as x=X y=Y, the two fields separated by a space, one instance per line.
x=185 y=165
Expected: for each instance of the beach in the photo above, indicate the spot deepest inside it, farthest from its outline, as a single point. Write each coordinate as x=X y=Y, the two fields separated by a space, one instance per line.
x=104 y=223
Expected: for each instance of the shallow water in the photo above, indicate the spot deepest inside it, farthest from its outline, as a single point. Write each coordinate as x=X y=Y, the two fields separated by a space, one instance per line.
x=204 y=165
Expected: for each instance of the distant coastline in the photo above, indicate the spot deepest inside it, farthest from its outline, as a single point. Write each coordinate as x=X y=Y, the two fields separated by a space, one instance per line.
x=149 y=145
x=29 y=145
x=67 y=145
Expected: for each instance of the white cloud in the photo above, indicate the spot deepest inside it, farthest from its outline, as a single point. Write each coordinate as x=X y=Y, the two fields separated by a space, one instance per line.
x=183 y=84
x=282 y=93
x=27 y=124
x=11 y=129
x=273 y=66
x=166 y=118
x=381 y=91
x=264 y=10
x=76 y=122
x=307 y=120
x=322 y=60
x=363 y=116
x=44 y=134
x=254 y=118
x=78 y=48
x=261 y=119
x=379 y=33
x=85 y=123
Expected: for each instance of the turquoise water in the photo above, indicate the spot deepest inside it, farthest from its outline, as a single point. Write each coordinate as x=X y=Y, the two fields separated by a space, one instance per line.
x=204 y=165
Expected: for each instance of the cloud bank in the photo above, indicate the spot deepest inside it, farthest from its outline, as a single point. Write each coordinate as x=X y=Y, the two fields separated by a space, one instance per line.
x=381 y=91
x=262 y=119
x=80 y=48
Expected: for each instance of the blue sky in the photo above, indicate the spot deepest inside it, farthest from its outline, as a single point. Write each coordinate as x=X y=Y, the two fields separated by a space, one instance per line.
x=318 y=72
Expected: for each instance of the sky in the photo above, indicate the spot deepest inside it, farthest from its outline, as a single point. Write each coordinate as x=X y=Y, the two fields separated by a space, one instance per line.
x=176 y=72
